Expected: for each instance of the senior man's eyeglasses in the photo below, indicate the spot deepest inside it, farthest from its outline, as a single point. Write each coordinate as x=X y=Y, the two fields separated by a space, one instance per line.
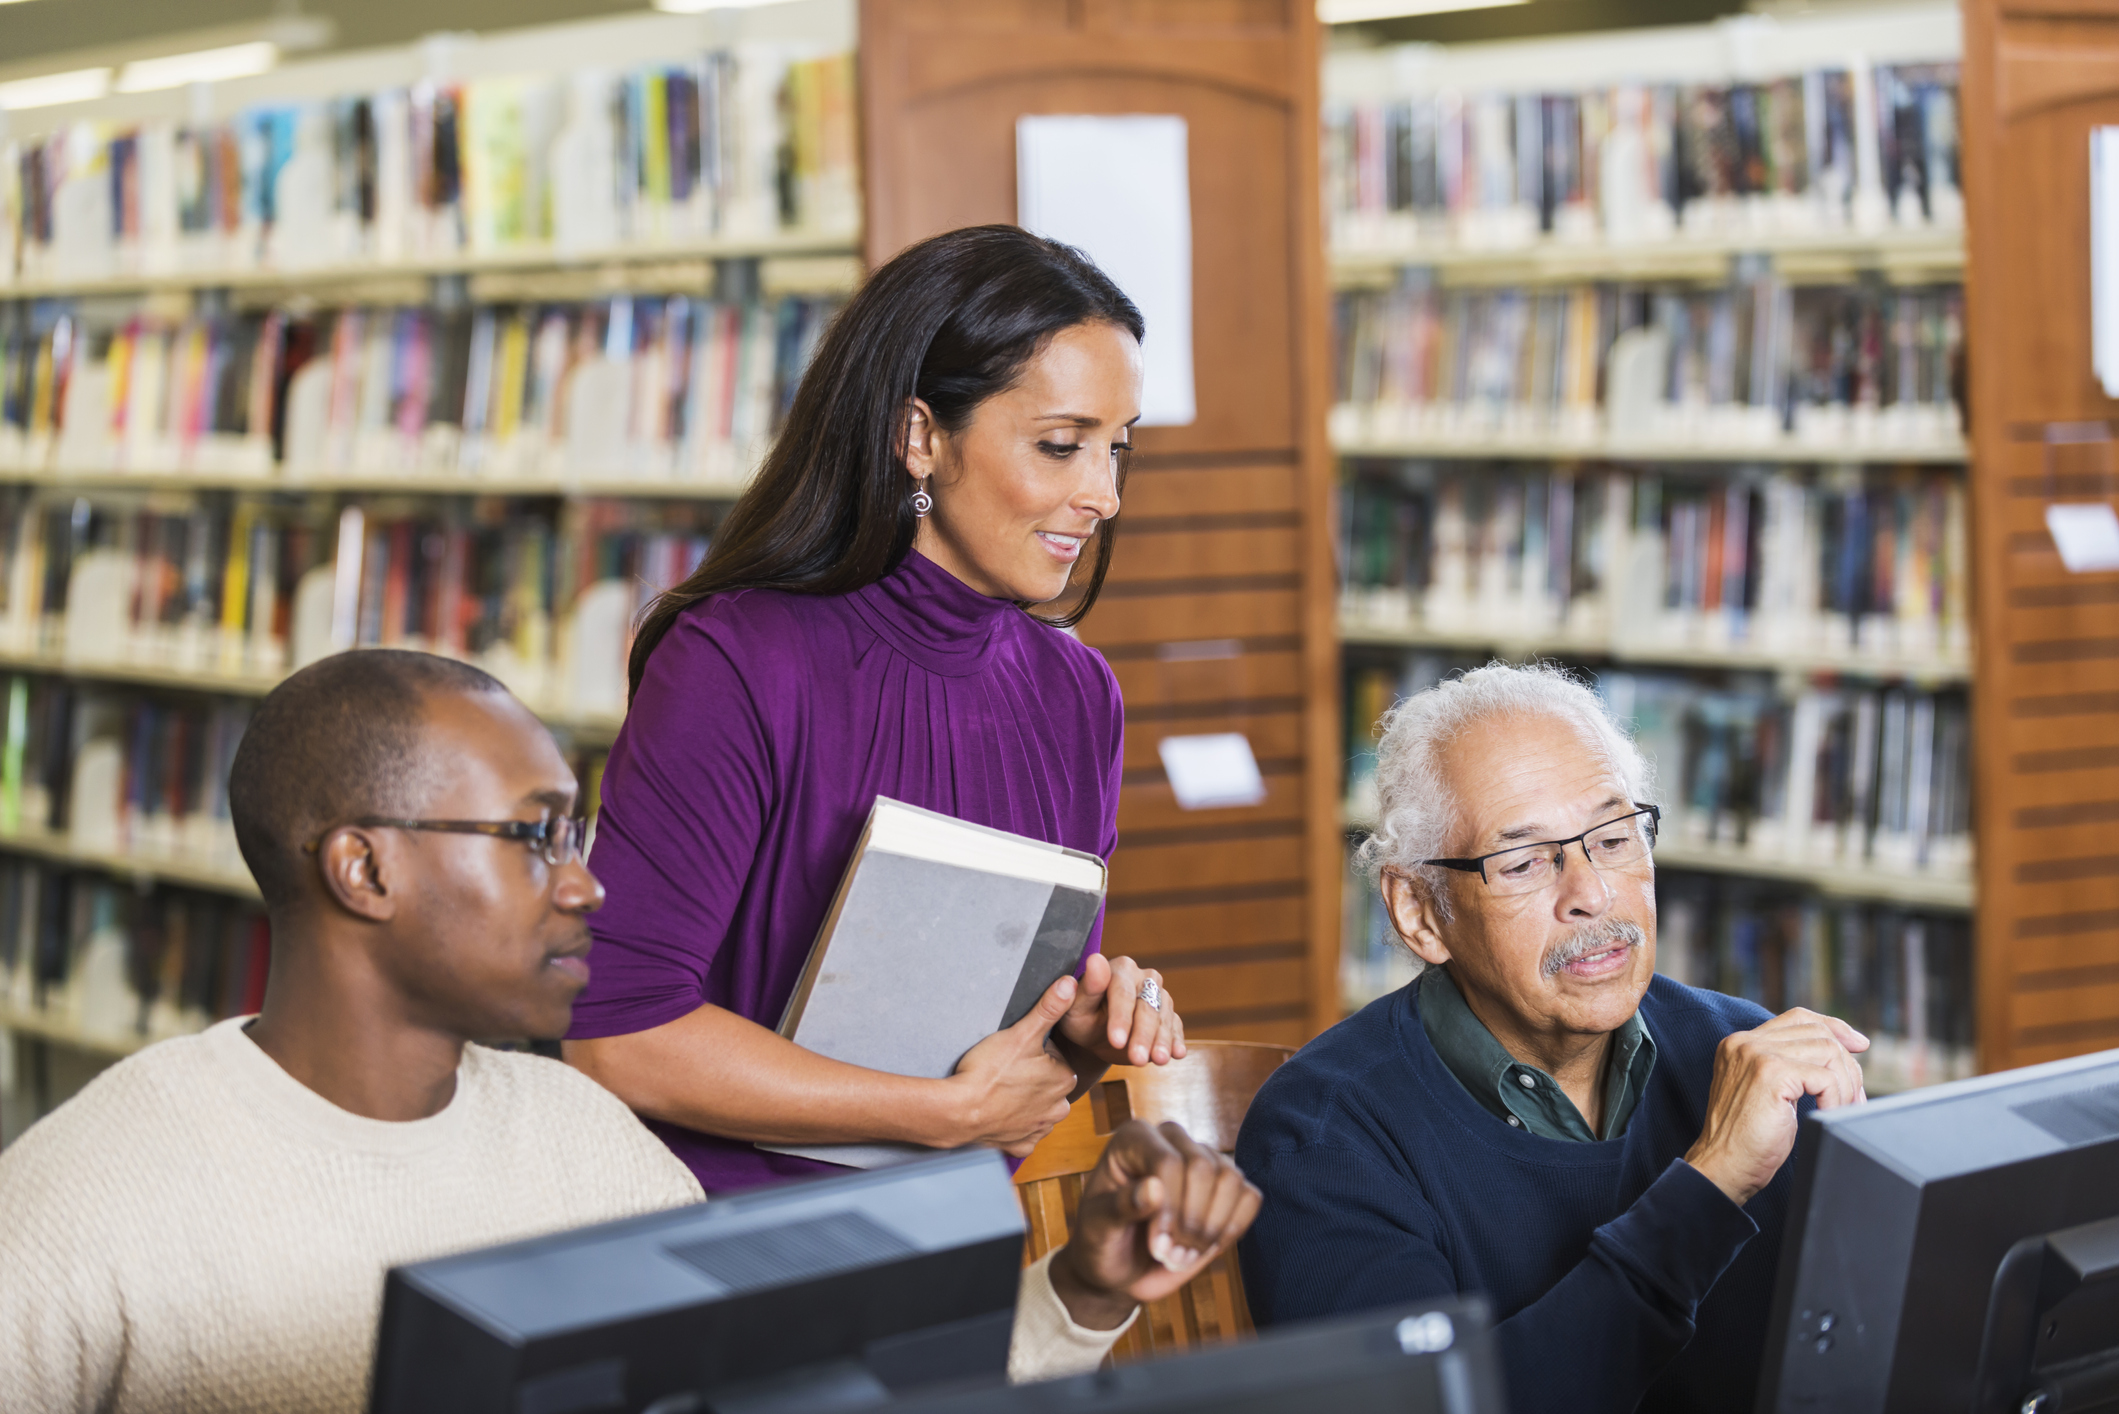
x=556 y=839
x=1527 y=868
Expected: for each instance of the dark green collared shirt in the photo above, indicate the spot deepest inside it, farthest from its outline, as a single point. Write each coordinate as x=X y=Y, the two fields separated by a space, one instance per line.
x=1524 y=1095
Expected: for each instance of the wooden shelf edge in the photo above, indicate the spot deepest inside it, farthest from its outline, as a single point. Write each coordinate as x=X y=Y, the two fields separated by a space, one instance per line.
x=790 y=243
x=63 y=1033
x=210 y=875
x=1867 y=665
x=1510 y=448
x=1940 y=251
x=587 y=727
x=411 y=484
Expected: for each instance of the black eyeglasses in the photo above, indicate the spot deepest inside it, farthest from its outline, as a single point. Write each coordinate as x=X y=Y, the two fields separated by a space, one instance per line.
x=1526 y=868
x=557 y=839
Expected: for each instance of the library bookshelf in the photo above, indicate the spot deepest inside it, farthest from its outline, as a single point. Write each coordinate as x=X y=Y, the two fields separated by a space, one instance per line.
x=1241 y=914
x=1646 y=453
x=151 y=353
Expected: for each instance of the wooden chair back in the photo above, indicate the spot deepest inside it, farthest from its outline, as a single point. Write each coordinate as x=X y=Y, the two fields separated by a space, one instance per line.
x=1208 y=1092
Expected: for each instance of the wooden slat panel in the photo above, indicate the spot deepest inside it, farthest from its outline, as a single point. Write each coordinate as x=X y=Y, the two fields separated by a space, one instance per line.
x=1275 y=736
x=2061 y=1006
x=1206 y=927
x=1151 y=681
x=1231 y=986
x=1150 y=805
x=1223 y=535
x=1155 y=869
x=1148 y=556
x=1170 y=618
x=2077 y=842
x=1190 y=491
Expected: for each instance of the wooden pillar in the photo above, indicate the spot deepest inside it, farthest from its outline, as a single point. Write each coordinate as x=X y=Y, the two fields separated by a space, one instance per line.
x=1218 y=615
x=2038 y=75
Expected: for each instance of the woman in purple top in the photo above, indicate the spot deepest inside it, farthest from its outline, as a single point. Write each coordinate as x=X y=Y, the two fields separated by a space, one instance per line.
x=863 y=627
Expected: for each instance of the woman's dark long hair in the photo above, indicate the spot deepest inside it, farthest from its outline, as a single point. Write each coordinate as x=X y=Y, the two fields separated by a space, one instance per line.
x=951 y=321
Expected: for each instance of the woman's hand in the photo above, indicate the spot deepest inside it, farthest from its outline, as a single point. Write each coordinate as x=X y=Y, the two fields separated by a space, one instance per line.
x=1157 y=1207
x=1111 y=1022
x=1015 y=1087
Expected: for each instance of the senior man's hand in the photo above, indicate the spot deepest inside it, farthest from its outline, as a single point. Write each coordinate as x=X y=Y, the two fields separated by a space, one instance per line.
x=1759 y=1075
x=1156 y=1209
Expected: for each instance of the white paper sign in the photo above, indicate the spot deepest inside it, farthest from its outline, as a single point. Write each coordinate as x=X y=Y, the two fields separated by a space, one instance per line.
x=2104 y=258
x=2087 y=536
x=1120 y=189
x=1211 y=772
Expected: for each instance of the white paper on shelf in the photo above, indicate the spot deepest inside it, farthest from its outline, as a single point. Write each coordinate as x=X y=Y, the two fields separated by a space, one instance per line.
x=2104 y=257
x=1212 y=772
x=1119 y=188
x=2087 y=535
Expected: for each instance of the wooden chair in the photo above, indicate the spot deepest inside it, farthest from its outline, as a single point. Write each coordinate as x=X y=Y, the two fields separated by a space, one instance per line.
x=1208 y=1092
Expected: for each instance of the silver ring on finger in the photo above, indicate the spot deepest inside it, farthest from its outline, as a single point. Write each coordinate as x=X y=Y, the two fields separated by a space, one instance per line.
x=1151 y=994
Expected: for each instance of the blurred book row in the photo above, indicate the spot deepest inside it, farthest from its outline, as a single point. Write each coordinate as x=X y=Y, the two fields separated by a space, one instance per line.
x=243 y=588
x=114 y=772
x=1757 y=363
x=1848 y=147
x=738 y=143
x=1836 y=564
x=1827 y=775
x=1901 y=976
x=95 y=961
x=666 y=388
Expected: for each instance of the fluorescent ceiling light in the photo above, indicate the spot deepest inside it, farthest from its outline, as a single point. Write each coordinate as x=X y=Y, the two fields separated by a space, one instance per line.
x=1346 y=12
x=73 y=86
x=234 y=61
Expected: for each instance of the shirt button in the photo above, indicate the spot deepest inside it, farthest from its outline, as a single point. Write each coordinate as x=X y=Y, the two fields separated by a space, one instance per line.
x=1517 y=1123
x=1530 y=1082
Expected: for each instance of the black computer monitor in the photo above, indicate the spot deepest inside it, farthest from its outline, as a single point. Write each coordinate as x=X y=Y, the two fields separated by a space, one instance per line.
x=846 y=1288
x=1937 y=1257
x=1432 y=1357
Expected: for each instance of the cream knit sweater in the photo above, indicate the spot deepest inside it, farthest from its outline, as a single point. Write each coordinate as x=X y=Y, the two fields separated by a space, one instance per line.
x=197 y=1230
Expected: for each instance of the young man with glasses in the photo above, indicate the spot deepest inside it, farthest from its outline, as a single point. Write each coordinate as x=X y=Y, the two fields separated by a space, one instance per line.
x=208 y=1224
x=1539 y=1118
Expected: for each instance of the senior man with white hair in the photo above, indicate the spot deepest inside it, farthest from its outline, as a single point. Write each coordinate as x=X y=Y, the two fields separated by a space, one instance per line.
x=1539 y=1118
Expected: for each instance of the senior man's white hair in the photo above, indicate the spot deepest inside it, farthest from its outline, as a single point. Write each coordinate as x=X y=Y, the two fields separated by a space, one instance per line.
x=1418 y=816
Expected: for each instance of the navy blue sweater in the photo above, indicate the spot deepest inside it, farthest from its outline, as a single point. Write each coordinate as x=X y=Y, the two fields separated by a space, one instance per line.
x=1621 y=1276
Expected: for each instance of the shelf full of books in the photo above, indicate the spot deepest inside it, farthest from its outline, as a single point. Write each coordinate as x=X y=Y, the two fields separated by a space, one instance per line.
x=92 y=964
x=663 y=394
x=126 y=915
x=1850 y=570
x=1755 y=369
x=639 y=139
x=1641 y=145
x=1650 y=360
x=139 y=629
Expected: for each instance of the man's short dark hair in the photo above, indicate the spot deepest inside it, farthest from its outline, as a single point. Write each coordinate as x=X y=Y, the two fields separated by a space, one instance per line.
x=337 y=740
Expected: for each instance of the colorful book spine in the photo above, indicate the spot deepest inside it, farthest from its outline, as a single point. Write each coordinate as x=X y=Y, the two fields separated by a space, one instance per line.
x=1852 y=147
x=740 y=142
x=1873 y=569
x=1756 y=364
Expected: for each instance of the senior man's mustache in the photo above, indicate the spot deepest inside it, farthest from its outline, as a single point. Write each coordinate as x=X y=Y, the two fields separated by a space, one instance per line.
x=1594 y=938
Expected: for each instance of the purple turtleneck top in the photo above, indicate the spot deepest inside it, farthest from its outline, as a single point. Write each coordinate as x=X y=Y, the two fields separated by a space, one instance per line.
x=765 y=727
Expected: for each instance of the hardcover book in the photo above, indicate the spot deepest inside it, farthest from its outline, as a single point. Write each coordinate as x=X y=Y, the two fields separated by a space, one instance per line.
x=942 y=933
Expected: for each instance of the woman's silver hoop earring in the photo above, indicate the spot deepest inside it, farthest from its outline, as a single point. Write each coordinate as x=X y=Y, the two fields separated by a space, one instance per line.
x=922 y=503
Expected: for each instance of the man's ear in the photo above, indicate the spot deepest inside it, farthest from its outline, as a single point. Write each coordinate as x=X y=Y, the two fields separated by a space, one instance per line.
x=917 y=438
x=350 y=861
x=1415 y=916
